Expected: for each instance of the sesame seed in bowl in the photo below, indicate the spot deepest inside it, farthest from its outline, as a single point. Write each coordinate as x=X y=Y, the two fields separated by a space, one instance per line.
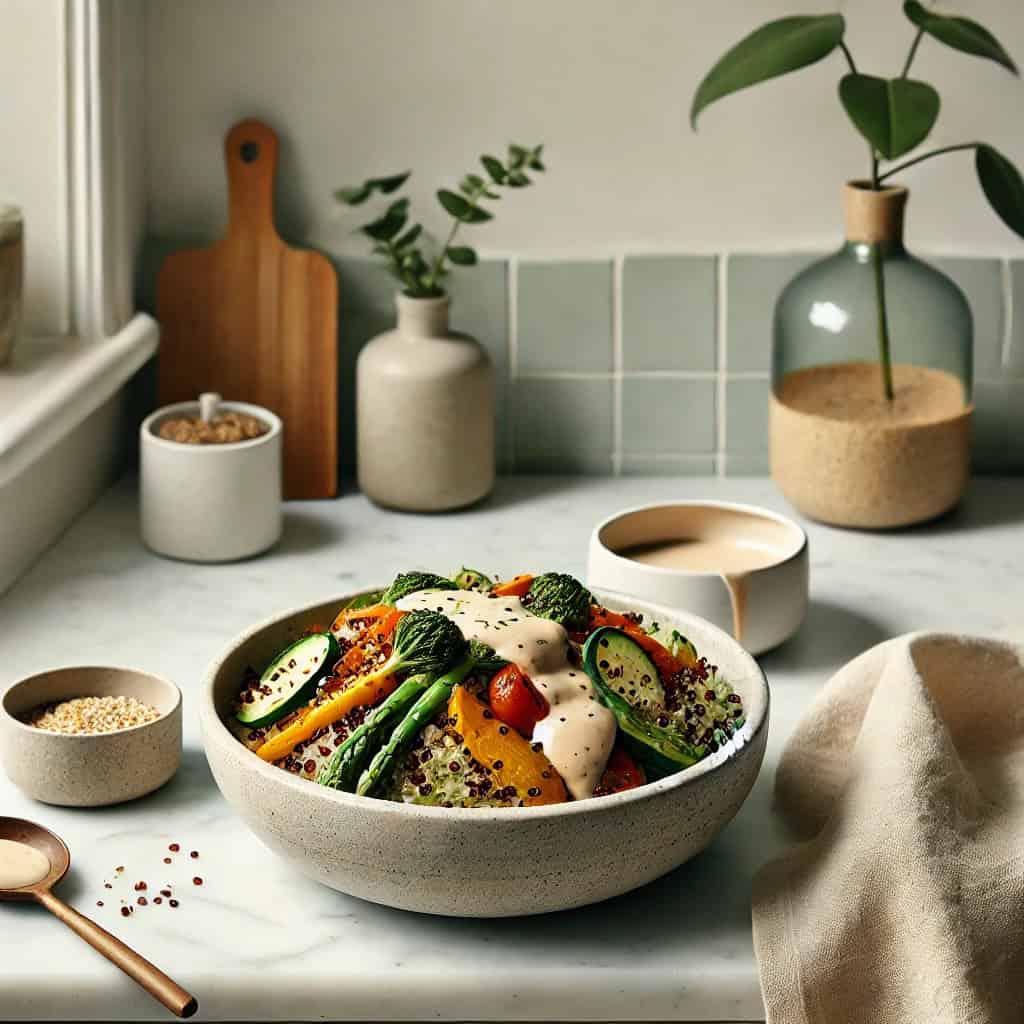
x=82 y=716
x=90 y=736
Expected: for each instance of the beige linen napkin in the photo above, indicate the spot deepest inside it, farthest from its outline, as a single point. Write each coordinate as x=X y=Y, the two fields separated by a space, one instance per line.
x=906 y=905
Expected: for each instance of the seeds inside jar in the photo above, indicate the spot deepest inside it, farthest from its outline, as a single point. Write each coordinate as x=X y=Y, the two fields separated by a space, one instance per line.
x=224 y=428
x=86 y=715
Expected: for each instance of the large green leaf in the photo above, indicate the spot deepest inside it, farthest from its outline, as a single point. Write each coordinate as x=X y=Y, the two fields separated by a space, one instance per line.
x=960 y=33
x=893 y=114
x=1001 y=182
x=772 y=50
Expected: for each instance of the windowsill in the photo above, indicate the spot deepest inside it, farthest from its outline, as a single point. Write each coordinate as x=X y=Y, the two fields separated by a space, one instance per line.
x=53 y=384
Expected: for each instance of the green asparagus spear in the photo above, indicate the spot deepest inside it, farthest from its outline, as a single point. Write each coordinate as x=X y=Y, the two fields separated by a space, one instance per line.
x=429 y=704
x=344 y=768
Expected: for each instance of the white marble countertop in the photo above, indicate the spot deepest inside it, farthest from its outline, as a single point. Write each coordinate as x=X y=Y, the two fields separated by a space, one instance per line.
x=258 y=942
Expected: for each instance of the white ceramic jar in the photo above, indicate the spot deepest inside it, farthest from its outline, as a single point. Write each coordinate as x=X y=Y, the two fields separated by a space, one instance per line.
x=424 y=413
x=210 y=502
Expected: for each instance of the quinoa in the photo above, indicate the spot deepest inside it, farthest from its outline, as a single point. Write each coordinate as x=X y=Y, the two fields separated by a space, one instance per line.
x=82 y=716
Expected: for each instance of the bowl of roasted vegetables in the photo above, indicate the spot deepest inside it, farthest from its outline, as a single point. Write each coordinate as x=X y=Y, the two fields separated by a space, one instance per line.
x=471 y=746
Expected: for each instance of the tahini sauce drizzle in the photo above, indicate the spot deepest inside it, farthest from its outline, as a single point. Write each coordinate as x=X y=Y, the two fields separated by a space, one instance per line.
x=21 y=864
x=578 y=733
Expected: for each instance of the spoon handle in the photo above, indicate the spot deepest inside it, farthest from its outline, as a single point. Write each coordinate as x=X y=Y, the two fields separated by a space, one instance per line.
x=138 y=968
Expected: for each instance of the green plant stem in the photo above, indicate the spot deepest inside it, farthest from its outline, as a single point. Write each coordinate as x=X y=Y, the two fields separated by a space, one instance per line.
x=927 y=156
x=436 y=270
x=884 y=355
x=848 y=56
x=913 y=51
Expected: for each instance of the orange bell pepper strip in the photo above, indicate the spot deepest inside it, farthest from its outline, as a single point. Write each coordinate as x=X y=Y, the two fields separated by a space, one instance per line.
x=515 y=587
x=511 y=759
x=370 y=689
x=369 y=614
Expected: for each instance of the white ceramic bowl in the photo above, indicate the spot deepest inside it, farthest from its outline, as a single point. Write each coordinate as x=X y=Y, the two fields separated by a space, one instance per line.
x=761 y=608
x=96 y=769
x=482 y=862
x=210 y=502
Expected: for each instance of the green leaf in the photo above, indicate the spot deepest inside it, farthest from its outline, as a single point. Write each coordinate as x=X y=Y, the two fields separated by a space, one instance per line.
x=774 y=49
x=893 y=114
x=473 y=186
x=462 y=255
x=353 y=195
x=391 y=183
x=534 y=161
x=454 y=204
x=517 y=179
x=960 y=33
x=385 y=228
x=1003 y=187
x=517 y=155
x=460 y=208
x=494 y=168
x=409 y=237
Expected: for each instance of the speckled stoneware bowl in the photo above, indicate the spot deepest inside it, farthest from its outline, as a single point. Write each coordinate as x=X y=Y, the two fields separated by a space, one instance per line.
x=482 y=862
x=100 y=768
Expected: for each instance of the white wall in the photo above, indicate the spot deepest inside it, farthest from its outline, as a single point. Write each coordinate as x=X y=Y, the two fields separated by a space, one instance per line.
x=361 y=87
x=32 y=151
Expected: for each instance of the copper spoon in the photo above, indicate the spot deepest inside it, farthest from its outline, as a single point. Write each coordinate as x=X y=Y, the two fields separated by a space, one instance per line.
x=140 y=970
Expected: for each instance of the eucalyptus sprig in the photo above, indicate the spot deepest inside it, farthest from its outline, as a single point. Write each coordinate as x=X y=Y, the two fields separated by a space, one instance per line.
x=894 y=115
x=400 y=244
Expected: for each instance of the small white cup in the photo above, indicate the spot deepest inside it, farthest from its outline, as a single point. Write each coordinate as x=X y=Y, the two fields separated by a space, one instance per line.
x=210 y=502
x=772 y=599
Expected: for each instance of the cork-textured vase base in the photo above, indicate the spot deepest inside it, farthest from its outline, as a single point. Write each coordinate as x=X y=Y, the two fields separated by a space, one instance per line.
x=844 y=455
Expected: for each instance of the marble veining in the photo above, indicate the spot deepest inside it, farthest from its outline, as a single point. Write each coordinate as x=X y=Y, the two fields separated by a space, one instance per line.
x=259 y=942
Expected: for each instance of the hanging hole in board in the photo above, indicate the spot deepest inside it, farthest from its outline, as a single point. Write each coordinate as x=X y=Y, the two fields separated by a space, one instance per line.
x=249 y=151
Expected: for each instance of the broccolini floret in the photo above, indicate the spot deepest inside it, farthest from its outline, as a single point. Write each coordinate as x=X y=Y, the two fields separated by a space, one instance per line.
x=561 y=598
x=406 y=583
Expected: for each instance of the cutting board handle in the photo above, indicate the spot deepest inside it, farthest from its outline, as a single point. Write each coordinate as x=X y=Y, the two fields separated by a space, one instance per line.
x=250 y=151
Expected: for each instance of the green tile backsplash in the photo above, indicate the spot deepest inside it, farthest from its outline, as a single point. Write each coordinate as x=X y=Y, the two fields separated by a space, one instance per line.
x=564 y=317
x=667 y=416
x=668 y=313
x=642 y=365
x=746 y=416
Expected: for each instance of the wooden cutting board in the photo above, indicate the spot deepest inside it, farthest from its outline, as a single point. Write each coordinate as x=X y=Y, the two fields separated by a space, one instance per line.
x=257 y=320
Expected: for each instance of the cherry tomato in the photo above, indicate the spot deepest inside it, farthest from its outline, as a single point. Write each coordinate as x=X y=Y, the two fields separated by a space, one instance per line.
x=515 y=700
x=621 y=772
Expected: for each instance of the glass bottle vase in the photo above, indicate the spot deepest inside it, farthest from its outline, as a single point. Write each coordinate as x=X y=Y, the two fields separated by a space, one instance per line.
x=842 y=450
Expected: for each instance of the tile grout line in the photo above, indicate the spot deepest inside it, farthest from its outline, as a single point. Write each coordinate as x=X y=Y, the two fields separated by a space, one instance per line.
x=512 y=293
x=721 y=299
x=616 y=311
x=695 y=375
x=1007 y=339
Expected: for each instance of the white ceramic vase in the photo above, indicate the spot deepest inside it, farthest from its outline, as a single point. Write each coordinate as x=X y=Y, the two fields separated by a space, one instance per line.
x=424 y=413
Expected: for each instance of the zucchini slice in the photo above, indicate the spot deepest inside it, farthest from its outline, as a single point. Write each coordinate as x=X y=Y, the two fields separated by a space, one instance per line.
x=659 y=750
x=625 y=667
x=289 y=680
